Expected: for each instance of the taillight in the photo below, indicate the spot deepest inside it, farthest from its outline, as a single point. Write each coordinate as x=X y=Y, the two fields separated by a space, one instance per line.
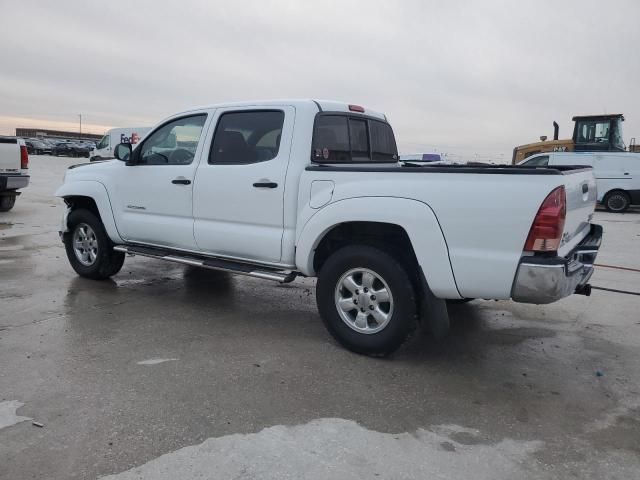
x=547 y=228
x=356 y=108
x=24 y=157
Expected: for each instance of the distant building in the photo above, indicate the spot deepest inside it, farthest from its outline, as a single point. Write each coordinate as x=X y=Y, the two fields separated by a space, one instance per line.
x=44 y=133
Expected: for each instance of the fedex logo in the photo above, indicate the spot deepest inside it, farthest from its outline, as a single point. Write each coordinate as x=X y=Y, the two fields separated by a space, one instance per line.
x=133 y=139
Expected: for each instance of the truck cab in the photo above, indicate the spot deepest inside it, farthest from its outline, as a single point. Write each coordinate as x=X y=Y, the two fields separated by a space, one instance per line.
x=591 y=133
x=598 y=133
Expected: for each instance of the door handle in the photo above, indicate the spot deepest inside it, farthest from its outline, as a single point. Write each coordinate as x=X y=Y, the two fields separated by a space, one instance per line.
x=265 y=185
x=181 y=181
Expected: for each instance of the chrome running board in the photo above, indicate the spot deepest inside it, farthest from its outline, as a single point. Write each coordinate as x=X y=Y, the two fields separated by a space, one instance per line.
x=209 y=262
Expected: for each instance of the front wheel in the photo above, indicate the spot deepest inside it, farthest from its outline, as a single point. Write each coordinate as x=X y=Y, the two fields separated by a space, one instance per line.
x=366 y=300
x=617 y=202
x=7 y=202
x=89 y=249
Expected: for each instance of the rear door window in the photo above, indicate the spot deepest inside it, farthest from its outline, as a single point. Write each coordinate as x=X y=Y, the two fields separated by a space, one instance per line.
x=247 y=137
x=340 y=138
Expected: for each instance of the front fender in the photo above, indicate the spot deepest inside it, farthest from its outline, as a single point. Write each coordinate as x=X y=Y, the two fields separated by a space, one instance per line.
x=415 y=217
x=97 y=192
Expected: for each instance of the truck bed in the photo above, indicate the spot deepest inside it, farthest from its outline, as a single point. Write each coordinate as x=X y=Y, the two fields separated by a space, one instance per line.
x=485 y=212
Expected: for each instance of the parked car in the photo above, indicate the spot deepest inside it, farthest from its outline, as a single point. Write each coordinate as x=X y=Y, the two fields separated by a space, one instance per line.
x=280 y=189
x=14 y=164
x=36 y=147
x=70 y=149
x=617 y=174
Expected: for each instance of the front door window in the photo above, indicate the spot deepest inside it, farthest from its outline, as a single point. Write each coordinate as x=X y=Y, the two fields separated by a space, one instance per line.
x=174 y=143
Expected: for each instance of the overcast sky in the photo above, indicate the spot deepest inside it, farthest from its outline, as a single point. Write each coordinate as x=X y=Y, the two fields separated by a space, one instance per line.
x=460 y=77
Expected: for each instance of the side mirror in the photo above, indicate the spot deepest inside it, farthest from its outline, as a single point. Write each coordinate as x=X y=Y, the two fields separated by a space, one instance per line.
x=122 y=151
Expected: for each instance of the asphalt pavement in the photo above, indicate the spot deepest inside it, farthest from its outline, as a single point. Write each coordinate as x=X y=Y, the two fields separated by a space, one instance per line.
x=170 y=372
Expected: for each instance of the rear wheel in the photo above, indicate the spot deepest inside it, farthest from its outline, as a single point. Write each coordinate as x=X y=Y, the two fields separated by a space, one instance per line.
x=366 y=300
x=89 y=249
x=7 y=202
x=617 y=201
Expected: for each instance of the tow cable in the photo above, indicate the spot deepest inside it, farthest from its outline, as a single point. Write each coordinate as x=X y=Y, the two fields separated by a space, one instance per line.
x=615 y=290
x=616 y=267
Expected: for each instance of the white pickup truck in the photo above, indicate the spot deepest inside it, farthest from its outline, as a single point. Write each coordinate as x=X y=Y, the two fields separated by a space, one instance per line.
x=14 y=164
x=279 y=189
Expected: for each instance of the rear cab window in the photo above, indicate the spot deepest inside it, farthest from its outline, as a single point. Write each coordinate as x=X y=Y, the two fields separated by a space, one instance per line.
x=539 y=161
x=347 y=138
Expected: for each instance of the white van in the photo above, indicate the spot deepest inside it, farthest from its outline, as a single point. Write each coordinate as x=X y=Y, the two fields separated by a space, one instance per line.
x=617 y=174
x=115 y=136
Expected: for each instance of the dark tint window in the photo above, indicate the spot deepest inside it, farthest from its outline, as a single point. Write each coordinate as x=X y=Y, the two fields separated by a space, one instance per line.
x=344 y=138
x=541 y=161
x=331 y=139
x=247 y=137
x=383 y=143
x=359 y=140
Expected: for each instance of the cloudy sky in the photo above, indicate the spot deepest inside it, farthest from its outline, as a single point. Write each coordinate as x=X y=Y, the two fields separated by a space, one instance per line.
x=461 y=77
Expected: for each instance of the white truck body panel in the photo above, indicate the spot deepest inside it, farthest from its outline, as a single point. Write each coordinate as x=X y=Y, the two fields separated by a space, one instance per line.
x=467 y=228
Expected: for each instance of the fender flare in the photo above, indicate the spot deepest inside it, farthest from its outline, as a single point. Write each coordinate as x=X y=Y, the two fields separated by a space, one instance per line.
x=98 y=193
x=415 y=217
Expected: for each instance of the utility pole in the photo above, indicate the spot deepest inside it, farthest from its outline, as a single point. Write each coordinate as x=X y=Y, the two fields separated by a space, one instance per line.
x=80 y=115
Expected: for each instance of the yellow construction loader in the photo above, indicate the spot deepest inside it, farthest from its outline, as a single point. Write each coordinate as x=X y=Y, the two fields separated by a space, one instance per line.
x=591 y=133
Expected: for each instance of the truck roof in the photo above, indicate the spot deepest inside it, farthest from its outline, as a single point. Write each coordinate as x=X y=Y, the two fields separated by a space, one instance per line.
x=604 y=115
x=318 y=105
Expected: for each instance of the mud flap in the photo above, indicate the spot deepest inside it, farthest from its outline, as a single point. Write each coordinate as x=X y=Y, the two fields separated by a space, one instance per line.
x=433 y=313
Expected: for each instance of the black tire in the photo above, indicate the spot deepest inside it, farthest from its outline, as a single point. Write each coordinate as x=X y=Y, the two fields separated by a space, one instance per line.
x=459 y=301
x=403 y=319
x=617 y=201
x=7 y=202
x=107 y=262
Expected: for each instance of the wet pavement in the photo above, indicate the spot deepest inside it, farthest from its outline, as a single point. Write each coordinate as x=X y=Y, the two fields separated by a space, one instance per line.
x=171 y=372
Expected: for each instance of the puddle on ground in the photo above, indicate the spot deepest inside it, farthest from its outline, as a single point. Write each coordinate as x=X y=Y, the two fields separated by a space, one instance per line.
x=337 y=448
x=156 y=361
x=8 y=415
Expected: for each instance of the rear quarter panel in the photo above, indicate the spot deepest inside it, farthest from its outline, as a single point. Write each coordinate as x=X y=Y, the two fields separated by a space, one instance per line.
x=484 y=218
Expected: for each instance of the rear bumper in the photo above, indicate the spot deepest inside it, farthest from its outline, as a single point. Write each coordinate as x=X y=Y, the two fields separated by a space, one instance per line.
x=13 y=182
x=546 y=280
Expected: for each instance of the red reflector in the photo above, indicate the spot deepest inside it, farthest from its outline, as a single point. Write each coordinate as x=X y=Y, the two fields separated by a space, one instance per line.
x=547 y=228
x=356 y=108
x=24 y=157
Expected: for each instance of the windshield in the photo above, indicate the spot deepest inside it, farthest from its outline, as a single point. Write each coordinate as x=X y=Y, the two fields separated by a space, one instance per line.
x=617 y=141
x=104 y=142
x=593 y=131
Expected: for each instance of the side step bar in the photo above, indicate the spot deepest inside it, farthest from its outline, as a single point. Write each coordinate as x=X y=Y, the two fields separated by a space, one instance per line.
x=211 y=263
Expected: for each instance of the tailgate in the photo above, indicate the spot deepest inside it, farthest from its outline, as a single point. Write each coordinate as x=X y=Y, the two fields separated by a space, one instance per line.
x=580 y=187
x=9 y=155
